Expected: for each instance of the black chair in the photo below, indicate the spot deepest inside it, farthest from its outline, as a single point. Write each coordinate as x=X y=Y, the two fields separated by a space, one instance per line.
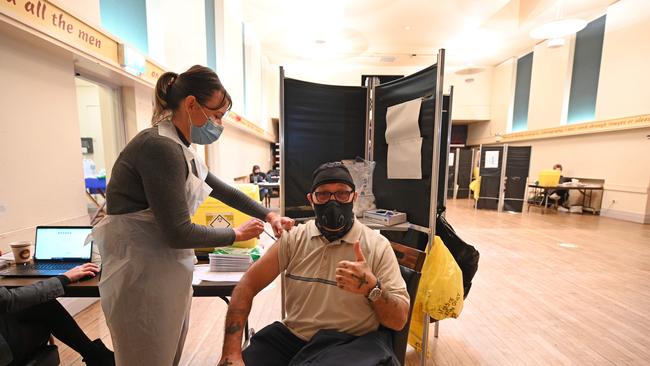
x=410 y=262
x=47 y=355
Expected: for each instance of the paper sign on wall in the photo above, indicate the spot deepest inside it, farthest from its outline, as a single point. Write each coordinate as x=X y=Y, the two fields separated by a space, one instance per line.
x=491 y=159
x=451 y=159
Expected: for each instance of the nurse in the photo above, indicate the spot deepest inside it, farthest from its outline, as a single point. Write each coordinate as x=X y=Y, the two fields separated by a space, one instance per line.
x=146 y=241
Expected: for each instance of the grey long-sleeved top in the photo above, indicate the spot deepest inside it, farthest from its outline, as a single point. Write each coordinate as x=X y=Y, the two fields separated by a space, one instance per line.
x=151 y=172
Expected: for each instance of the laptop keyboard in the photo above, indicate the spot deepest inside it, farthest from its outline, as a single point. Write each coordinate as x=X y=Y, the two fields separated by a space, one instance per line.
x=45 y=266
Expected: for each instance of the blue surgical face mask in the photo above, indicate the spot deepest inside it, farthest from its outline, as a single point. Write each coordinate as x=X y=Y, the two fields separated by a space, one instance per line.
x=206 y=134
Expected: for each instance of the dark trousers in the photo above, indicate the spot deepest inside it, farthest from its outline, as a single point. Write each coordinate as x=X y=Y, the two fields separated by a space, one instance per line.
x=275 y=345
x=28 y=330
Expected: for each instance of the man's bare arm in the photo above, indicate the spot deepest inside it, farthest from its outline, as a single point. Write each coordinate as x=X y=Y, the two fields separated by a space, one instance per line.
x=260 y=275
x=391 y=310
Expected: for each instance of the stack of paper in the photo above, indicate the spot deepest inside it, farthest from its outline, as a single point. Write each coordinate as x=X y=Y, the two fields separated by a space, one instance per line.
x=202 y=274
x=230 y=262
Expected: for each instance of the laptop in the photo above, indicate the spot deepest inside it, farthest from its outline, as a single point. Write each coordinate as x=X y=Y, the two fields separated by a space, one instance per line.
x=57 y=249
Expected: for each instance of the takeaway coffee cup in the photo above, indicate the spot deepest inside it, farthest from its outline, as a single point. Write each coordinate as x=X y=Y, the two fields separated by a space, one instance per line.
x=22 y=251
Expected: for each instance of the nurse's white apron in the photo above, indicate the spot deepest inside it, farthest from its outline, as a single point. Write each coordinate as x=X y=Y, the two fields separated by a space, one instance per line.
x=146 y=286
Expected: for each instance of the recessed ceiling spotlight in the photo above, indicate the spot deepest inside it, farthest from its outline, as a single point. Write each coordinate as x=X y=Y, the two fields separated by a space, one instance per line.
x=558 y=28
x=407 y=28
x=320 y=41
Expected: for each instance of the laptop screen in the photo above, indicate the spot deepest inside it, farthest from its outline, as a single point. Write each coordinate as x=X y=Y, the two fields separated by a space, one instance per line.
x=57 y=243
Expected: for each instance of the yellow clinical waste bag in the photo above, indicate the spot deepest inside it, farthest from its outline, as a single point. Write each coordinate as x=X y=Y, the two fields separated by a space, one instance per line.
x=440 y=292
x=549 y=177
x=215 y=213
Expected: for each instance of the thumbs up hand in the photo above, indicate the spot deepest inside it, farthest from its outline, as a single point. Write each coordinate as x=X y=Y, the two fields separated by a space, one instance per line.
x=355 y=276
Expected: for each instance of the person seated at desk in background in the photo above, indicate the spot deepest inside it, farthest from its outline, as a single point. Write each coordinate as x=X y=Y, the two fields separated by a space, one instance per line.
x=561 y=194
x=30 y=314
x=343 y=288
x=257 y=177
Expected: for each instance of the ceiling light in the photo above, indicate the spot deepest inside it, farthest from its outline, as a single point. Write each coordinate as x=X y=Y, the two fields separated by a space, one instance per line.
x=407 y=27
x=558 y=28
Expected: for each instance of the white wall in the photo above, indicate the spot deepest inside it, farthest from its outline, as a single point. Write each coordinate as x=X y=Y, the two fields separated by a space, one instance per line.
x=471 y=95
x=271 y=90
x=87 y=10
x=550 y=82
x=624 y=77
x=176 y=33
x=501 y=94
x=41 y=176
x=230 y=42
x=602 y=156
x=236 y=152
x=253 y=77
x=156 y=31
x=621 y=158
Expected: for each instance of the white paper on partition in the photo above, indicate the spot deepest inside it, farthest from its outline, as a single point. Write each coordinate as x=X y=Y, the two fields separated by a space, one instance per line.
x=491 y=159
x=451 y=159
x=402 y=121
x=405 y=159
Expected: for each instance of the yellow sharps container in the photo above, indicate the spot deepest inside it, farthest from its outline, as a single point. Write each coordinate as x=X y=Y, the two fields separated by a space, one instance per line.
x=215 y=213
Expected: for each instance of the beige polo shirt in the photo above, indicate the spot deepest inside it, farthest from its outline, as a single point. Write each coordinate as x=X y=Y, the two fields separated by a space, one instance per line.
x=313 y=301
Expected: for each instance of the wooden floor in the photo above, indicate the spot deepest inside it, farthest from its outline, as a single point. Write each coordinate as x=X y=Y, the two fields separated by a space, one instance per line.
x=554 y=289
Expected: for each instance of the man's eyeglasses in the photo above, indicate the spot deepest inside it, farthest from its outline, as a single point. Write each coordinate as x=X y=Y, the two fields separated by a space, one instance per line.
x=340 y=196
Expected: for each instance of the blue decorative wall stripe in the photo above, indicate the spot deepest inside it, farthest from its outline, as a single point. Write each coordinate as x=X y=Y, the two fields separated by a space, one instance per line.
x=127 y=20
x=586 y=70
x=522 y=93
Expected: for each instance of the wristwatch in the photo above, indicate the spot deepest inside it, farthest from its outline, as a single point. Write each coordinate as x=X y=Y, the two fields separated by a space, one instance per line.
x=375 y=293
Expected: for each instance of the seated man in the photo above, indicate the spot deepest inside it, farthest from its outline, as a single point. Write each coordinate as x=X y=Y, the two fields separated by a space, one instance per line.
x=258 y=177
x=561 y=195
x=343 y=288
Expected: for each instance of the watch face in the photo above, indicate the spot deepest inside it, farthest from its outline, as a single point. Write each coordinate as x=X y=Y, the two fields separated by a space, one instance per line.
x=374 y=294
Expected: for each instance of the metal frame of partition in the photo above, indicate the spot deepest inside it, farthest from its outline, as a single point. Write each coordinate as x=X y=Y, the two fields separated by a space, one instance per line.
x=457 y=170
x=456 y=161
x=445 y=165
x=502 y=181
x=438 y=196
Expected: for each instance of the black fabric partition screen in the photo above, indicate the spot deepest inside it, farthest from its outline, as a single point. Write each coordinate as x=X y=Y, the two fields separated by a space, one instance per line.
x=407 y=195
x=321 y=123
x=490 y=172
x=517 y=167
x=464 y=172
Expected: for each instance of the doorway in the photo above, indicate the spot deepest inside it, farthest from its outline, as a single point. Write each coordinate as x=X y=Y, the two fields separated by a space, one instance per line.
x=103 y=136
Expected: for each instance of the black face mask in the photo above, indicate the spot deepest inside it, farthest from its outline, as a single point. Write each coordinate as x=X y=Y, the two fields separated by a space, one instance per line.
x=334 y=219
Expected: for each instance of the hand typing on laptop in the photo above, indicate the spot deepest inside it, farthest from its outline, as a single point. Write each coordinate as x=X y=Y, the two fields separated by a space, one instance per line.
x=79 y=272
